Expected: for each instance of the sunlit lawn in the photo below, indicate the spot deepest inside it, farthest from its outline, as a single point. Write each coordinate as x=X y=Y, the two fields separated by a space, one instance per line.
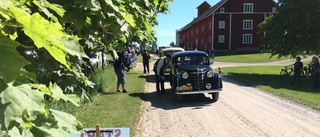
x=246 y=58
x=267 y=78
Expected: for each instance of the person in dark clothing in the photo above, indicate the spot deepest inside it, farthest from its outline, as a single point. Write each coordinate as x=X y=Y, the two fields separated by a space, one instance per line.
x=119 y=68
x=314 y=70
x=159 y=69
x=145 y=61
x=297 y=66
x=212 y=53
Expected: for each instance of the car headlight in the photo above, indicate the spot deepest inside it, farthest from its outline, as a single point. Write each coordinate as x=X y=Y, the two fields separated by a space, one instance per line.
x=184 y=75
x=208 y=86
x=209 y=74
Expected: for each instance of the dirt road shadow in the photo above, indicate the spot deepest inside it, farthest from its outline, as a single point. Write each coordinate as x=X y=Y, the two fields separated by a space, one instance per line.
x=169 y=100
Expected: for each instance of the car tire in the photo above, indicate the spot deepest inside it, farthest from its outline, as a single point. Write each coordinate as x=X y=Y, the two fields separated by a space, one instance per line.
x=215 y=96
x=221 y=86
x=173 y=83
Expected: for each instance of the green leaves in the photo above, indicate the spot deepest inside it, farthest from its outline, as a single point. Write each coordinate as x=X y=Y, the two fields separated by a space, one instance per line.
x=23 y=103
x=11 y=62
x=56 y=31
x=45 y=35
x=19 y=99
x=293 y=30
x=66 y=120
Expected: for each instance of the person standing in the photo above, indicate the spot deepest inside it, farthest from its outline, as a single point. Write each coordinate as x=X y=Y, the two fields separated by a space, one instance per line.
x=212 y=53
x=119 y=68
x=314 y=69
x=145 y=61
x=297 y=66
x=157 y=53
x=159 y=69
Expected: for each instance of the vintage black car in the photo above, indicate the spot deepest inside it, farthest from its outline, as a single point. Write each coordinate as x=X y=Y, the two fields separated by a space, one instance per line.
x=191 y=74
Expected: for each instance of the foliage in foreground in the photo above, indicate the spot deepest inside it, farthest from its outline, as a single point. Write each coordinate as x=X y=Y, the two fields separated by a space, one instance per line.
x=41 y=43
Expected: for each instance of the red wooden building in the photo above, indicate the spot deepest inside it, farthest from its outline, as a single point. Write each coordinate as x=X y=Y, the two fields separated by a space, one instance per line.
x=229 y=25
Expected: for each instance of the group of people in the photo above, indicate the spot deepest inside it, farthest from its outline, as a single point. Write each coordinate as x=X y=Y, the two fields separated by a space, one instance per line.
x=313 y=70
x=158 y=68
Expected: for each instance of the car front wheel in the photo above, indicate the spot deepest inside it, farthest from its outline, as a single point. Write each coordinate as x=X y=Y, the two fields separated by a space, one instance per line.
x=215 y=96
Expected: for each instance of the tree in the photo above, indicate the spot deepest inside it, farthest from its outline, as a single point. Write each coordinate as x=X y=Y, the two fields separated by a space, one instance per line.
x=294 y=30
x=172 y=44
x=154 y=44
x=56 y=32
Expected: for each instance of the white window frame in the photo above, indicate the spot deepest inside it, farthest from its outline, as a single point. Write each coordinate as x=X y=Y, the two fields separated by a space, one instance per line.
x=202 y=40
x=247 y=7
x=247 y=24
x=222 y=10
x=221 y=39
x=210 y=25
x=274 y=9
x=202 y=28
x=222 y=25
x=246 y=38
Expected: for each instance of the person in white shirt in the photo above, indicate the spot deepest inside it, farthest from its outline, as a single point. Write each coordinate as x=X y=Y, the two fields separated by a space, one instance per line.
x=159 y=69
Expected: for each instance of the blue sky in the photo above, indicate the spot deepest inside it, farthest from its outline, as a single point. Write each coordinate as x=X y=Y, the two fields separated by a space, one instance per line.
x=181 y=13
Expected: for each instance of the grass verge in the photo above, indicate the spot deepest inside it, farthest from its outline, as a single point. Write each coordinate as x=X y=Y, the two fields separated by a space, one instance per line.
x=108 y=108
x=246 y=58
x=267 y=78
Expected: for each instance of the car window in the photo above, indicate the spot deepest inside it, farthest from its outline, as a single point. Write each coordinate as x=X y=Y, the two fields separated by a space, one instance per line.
x=192 y=60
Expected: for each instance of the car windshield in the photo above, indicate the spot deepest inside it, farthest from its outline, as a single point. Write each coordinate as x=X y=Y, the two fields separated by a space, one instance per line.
x=191 y=60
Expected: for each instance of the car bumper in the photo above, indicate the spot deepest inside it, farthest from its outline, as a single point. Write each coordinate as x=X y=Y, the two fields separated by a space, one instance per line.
x=185 y=92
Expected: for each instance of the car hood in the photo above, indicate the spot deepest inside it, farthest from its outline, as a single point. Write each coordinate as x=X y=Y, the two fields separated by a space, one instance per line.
x=194 y=68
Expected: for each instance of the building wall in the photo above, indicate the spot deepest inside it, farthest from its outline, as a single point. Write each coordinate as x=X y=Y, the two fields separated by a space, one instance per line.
x=233 y=10
x=203 y=36
x=233 y=17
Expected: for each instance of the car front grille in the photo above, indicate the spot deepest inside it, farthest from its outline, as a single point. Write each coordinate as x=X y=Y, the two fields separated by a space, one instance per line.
x=197 y=79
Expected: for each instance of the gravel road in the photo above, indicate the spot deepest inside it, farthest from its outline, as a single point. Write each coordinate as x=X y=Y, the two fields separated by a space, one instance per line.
x=241 y=111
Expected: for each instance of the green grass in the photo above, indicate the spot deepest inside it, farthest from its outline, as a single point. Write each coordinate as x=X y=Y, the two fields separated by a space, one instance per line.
x=246 y=58
x=108 y=108
x=267 y=78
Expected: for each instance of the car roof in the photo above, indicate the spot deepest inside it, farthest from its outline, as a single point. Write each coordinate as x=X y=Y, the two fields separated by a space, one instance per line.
x=185 y=53
x=172 y=48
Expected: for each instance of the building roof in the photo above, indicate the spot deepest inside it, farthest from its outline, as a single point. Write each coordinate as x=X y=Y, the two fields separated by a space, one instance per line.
x=203 y=3
x=205 y=14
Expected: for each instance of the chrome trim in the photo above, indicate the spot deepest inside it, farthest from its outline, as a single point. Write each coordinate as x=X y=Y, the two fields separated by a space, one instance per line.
x=197 y=92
